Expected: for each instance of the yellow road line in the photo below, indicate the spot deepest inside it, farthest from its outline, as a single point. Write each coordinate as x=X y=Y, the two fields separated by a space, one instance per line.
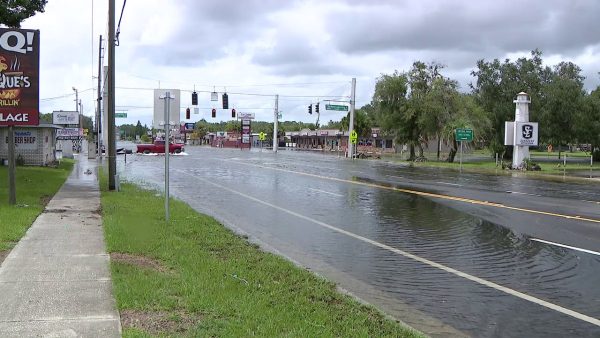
x=428 y=194
x=473 y=278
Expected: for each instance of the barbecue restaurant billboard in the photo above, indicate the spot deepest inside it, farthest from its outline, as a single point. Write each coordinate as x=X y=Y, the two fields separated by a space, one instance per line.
x=19 y=77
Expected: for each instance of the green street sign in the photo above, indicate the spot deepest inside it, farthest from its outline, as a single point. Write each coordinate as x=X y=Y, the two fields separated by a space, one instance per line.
x=464 y=134
x=353 y=137
x=261 y=136
x=122 y=115
x=337 y=107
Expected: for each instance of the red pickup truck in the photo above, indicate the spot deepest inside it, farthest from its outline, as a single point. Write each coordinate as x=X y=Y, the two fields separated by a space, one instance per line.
x=159 y=147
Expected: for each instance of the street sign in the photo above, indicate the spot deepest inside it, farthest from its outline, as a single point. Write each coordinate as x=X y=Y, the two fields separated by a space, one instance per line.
x=120 y=115
x=337 y=107
x=464 y=134
x=353 y=137
x=19 y=76
x=261 y=136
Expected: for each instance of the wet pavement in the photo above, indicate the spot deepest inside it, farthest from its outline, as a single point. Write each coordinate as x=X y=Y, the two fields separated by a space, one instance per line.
x=450 y=254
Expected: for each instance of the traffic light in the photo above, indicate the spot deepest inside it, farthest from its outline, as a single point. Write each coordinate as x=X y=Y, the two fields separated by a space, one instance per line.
x=225 y=101
x=194 y=99
x=187 y=113
x=233 y=112
x=317 y=108
x=214 y=113
x=310 y=109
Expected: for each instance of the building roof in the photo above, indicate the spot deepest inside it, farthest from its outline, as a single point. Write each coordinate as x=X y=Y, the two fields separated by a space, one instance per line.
x=41 y=125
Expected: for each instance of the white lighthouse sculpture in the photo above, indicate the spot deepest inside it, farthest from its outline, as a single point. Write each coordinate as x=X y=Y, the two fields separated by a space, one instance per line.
x=521 y=133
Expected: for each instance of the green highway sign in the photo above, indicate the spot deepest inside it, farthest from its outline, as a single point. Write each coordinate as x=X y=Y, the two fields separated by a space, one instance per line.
x=336 y=107
x=464 y=134
x=123 y=115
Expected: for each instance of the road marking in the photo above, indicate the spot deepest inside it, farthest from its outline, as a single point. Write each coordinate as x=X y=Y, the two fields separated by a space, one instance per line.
x=455 y=184
x=522 y=193
x=567 y=246
x=425 y=261
x=588 y=201
x=326 y=192
x=394 y=176
x=431 y=195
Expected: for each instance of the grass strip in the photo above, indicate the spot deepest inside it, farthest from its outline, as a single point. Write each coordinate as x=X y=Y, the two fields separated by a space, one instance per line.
x=214 y=283
x=35 y=187
x=491 y=167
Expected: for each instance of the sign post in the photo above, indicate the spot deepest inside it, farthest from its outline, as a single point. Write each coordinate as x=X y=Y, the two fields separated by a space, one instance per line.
x=460 y=136
x=19 y=98
x=261 y=138
x=353 y=140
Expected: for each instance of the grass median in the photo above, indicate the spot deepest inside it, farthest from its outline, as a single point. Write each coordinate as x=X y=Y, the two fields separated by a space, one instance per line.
x=35 y=187
x=193 y=277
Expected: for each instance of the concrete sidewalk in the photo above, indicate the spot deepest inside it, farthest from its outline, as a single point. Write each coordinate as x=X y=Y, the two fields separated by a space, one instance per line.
x=56 y=281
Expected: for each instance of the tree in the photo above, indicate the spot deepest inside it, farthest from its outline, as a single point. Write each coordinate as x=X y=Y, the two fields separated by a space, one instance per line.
x=497 y=84
x=440 y=104
x=362 y=123
x=46 y=118
x=13 y=12
x=468 y=114
x=563 y=101
x=587 y=123
x=233 y=126
x=139 y=130
x=390 y=102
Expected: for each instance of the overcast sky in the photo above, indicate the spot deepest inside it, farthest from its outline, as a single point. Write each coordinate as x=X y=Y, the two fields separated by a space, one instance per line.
x=305 y=51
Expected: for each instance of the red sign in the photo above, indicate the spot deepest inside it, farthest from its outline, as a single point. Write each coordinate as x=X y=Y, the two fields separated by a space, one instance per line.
x=19 y=77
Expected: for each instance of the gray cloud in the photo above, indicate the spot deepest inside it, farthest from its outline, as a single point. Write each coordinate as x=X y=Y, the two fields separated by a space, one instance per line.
x=295 y=54
x=488 y=27
x=209 y=30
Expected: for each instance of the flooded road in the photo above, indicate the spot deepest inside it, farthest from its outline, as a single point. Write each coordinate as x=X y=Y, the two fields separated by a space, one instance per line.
x=450 y=254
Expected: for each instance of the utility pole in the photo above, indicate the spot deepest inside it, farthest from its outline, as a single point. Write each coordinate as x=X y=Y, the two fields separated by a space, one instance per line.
x=99 y=100
x=78 y=114
x=167 y=99
x=351 y=126
x=275 y=124
x=12 y=187
x=77 y=105
x=112 y=153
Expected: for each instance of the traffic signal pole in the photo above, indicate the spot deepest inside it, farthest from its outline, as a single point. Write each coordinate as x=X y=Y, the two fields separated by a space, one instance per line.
x=351 y=126
x=275 y=124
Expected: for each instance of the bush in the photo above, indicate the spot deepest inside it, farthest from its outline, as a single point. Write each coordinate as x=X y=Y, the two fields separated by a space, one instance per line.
x=20 y=160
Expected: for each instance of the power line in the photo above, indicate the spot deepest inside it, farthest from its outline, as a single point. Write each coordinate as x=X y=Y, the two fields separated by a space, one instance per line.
x=65 y=95
x=245 y=94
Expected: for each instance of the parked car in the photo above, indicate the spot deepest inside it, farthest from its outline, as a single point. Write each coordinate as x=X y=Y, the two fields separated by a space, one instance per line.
x=159 y=147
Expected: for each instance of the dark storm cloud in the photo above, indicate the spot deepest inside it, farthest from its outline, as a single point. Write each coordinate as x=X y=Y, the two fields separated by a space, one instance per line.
x=209 y=30
x=484 y=27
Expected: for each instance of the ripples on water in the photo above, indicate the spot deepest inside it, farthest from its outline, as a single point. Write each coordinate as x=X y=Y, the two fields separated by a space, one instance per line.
x=422 y=227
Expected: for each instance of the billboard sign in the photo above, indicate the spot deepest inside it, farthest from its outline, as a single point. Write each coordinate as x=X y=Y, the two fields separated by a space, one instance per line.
x=65 y=117
x=19 y=77
x=246 y=116
x=69 y=133
x=526 y=134
x=159 y=108
x=246 y=131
